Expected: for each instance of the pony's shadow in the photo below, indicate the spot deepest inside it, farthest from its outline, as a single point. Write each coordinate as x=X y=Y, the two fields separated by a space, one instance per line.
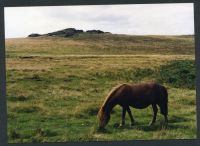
x=177 y=119
x=160 y=126
x=143 y=127
x=172 y=125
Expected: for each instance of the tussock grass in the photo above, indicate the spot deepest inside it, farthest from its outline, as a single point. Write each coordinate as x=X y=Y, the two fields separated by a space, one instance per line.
x=179 y=73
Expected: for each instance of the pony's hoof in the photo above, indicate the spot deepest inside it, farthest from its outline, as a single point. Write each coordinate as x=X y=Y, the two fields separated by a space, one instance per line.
x=165 y=125
x=151 y=124
x=132 y=124
x=121 y=126
x=116 y=125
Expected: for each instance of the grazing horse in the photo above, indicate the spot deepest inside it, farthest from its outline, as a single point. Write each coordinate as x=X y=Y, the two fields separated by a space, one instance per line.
x=138 y=96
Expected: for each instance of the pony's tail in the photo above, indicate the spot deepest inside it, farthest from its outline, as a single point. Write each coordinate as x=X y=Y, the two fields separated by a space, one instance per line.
x=164 y=95
x=166 y=99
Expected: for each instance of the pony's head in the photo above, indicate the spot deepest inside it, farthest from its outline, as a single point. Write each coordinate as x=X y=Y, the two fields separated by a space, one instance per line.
x=104 y=112
x=103 y=117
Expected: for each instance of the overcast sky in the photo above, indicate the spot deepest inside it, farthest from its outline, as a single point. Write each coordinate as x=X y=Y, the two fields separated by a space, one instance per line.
x=148 y=19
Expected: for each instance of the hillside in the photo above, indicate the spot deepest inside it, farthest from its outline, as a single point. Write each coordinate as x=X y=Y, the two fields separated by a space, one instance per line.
x=100 y=44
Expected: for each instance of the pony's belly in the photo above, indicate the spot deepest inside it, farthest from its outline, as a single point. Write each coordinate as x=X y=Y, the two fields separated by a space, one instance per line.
x=139 y=103
x=139 y=106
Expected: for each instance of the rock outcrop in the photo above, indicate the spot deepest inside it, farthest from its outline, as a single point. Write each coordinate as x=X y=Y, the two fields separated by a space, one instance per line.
x=34 y=35
x=68 y=33
x=65 y=32
x=94 y=31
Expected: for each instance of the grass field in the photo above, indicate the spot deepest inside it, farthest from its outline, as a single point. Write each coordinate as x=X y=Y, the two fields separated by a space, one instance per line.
x=55 y=86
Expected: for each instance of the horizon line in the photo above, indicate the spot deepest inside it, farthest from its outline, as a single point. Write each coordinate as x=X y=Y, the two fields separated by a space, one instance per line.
x=114 y=34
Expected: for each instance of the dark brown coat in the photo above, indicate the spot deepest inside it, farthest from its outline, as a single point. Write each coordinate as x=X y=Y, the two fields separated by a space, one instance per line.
x=138 y=96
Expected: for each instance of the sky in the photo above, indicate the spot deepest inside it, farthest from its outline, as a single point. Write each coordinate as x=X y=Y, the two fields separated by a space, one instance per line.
x=140 y=19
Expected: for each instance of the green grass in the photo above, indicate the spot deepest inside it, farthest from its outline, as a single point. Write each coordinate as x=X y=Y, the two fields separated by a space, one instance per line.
x=55 y=86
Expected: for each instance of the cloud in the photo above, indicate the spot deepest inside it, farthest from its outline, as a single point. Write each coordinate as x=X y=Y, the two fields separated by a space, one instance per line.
x=140 y=19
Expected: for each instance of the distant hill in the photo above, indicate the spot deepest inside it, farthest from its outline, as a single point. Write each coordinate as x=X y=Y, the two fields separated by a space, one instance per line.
x=68 y=33
x=83 y=43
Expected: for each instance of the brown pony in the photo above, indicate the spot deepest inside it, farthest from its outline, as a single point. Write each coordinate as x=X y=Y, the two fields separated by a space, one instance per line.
x=138 y=96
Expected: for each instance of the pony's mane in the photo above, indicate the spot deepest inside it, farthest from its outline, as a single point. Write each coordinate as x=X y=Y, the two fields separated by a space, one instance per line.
x=110 y=94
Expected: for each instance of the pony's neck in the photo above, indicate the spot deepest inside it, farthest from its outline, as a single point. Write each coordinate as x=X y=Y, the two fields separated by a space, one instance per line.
x=109 y=105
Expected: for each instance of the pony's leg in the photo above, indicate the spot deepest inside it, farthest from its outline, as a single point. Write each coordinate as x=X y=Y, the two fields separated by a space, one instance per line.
x=130 y=115
x=123 y=116
x=155 y=111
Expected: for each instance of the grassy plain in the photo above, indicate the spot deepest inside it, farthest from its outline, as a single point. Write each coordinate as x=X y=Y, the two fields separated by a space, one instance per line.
x=55 y=87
